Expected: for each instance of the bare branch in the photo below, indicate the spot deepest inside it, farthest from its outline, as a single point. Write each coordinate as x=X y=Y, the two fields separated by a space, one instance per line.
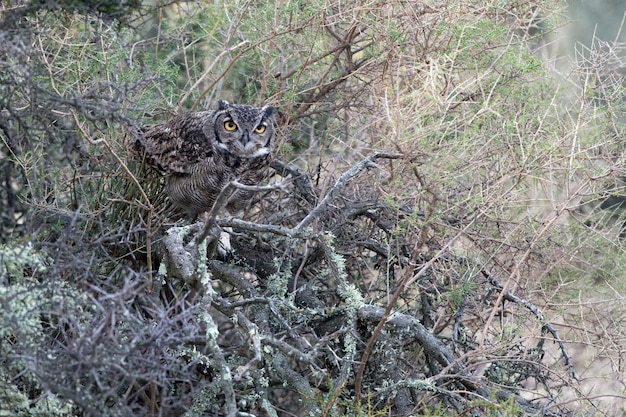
x=339 y=184
x=540 y=316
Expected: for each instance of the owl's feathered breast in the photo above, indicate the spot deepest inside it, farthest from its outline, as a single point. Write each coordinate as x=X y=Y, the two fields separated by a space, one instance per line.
x=184 y=148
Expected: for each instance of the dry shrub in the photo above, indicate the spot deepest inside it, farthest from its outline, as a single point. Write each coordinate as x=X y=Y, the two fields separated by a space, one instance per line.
x=432 y=249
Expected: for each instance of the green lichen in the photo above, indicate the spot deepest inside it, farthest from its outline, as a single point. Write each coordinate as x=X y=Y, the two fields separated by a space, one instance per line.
x=269 y=408
x=15 y=260
x=15 y=403
x=352 y=296
x=202 y=269
x=277 y=283
x=22 y=328
x=192 y=354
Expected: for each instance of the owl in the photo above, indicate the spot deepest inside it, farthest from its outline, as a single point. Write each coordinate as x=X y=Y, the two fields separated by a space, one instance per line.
x=201 y=152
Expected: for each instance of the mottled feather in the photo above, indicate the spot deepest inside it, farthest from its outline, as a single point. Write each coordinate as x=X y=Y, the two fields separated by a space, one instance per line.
x=177 y=145
x=202 y=151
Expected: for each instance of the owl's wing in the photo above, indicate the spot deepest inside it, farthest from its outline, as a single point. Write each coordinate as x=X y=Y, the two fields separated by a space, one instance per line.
x=178 y=144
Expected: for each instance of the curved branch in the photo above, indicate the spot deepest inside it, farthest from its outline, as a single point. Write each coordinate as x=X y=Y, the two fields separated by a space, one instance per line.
x=540 y=316
x=340 y=183
x=433 y=346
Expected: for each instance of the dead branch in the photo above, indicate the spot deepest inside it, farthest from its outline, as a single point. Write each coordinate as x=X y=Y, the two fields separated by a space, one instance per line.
x=508 y=296
x=339 y=184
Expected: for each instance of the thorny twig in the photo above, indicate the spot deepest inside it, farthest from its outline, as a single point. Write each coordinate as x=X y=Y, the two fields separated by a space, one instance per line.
x=253 y=332
x=409 y=276
x=299 y=231
x=439 y=352
x=222 y=200
x=540 y=316
x=339 y=184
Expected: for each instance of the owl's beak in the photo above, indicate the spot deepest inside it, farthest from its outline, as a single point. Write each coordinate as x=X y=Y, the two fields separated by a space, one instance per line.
x=245 y=138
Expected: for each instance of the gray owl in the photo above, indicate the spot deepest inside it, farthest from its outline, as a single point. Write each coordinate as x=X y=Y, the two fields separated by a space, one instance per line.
x=201 y=152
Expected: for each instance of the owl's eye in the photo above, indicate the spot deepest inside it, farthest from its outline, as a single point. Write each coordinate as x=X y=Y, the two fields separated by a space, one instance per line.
x=260 y=129
x=230 y=125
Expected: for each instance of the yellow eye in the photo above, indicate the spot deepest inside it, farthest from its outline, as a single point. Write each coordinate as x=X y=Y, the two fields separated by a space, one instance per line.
x=230 y=125
x=260 y=129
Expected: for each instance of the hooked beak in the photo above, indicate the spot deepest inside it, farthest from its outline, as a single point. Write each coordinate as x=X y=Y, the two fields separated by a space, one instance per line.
x=245 y=138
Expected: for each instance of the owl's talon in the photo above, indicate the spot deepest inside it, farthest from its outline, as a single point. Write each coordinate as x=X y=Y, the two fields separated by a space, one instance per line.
x=224 y=248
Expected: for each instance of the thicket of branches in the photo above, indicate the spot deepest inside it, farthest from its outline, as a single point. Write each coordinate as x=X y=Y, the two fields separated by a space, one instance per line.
x=439 y=242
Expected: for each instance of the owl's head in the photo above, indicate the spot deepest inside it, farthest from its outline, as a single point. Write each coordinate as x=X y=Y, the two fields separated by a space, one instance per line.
x=244 y=130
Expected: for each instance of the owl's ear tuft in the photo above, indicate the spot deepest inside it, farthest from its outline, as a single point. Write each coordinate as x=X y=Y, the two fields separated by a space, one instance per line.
x=268 y=111
x=223 y=104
